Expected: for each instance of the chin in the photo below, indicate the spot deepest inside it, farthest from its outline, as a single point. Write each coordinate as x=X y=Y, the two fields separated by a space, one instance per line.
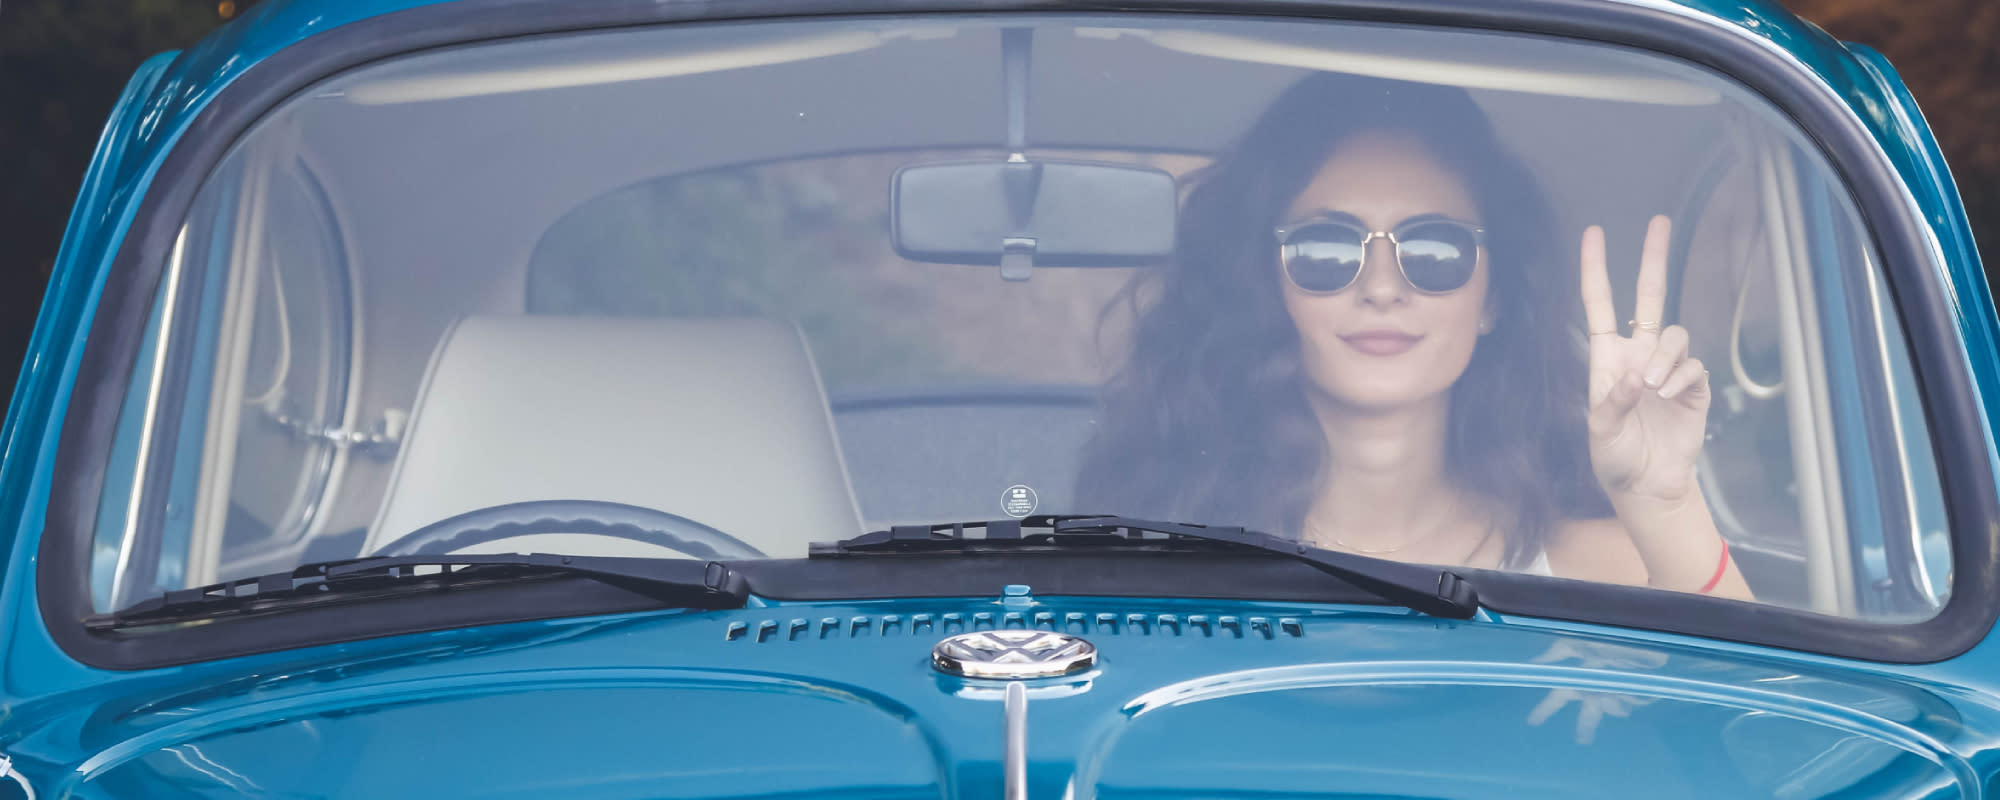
x=1377 y=398
x=1375 y=387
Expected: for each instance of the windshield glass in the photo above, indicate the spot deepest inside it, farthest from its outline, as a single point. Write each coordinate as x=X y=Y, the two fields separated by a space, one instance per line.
x=1465 y=298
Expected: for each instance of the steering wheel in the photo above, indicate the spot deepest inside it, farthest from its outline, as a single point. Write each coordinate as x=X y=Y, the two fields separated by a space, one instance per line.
x=594 y=517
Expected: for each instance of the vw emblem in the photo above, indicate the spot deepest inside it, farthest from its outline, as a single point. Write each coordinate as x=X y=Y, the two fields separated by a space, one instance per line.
x=1013 y=654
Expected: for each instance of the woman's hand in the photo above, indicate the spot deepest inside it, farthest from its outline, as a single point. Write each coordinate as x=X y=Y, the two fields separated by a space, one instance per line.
x=1648 y=418
x=1648 y=398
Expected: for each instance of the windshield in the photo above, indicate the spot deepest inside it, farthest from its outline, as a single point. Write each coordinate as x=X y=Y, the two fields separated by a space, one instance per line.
x=1464 y=298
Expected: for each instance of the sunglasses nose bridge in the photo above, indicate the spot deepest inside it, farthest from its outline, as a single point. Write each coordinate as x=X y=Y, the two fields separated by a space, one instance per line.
x=1381 y=268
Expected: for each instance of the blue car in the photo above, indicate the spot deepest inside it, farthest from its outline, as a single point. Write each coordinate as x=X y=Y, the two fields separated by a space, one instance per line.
x=989 y=399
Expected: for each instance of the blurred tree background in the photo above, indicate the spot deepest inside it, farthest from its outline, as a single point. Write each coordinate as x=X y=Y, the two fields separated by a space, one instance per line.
x=62 y=65
x=1948 y=52
x=63 y=62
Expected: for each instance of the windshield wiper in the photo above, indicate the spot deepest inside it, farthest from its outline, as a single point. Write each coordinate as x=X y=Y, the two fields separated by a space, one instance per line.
x=677 y=582
x=1431 y=590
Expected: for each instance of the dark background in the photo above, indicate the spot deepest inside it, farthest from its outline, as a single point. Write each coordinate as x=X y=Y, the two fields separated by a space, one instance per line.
x=63 y=62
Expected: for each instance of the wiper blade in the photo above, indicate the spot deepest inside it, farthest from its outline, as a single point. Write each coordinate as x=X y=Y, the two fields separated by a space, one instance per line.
x=678 y=582
x=1428 y=589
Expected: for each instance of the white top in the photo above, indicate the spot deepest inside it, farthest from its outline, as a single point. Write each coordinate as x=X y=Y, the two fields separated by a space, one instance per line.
x=1539 y=566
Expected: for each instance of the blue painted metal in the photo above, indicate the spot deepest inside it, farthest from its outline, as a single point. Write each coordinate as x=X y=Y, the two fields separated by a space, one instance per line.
x=837 y=700
x=833 y=700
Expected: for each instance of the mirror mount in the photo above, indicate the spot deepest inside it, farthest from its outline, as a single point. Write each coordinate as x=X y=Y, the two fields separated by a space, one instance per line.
x=1017 y=258
x=1016 y=45
x=1022 y=181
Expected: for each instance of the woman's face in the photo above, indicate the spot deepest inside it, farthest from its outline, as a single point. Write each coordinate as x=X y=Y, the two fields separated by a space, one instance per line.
x=1379 y=343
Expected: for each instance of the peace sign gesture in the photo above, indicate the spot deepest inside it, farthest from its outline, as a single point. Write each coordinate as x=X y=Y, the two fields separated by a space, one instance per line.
x=1648 y=399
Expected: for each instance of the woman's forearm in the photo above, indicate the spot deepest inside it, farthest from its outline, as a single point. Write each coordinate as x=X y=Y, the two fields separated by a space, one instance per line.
x=1680 y=545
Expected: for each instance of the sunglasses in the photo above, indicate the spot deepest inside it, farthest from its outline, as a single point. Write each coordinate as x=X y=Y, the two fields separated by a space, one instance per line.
x=1436 y=256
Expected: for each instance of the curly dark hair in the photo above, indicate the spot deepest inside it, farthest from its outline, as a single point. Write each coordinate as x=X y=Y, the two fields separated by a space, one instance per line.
x=1209 y=421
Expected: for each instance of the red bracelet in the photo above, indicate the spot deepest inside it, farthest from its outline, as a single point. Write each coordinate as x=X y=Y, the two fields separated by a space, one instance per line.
x=1720 y=568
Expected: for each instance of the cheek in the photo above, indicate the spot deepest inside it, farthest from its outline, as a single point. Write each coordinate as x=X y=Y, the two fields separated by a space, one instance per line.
x=1456 y=317
x=1454 y=321
x=1302 y=312
x=1316 y=318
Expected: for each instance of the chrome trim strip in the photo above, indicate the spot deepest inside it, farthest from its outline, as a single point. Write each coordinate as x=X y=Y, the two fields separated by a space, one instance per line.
x=1815 y=454
x=7 y=771
x=161 y=345
x=1014 y=758
x=1901 y=425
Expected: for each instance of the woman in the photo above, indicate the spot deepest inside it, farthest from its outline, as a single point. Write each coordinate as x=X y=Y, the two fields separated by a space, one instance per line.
x=1366 y=341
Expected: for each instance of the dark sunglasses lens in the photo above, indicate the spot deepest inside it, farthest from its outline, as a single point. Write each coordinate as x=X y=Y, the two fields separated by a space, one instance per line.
x=1437 y=256
x=1323 y=257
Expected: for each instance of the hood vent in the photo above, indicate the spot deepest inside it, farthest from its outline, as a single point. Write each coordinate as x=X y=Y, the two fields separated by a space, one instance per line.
x=1076 y=623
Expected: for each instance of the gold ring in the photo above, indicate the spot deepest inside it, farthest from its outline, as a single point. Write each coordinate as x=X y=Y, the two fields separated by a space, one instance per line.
x=1649 y=327
x=1603 y=333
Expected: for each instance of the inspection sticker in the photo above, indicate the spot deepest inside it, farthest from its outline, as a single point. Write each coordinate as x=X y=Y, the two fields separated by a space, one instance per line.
x=1019 y=501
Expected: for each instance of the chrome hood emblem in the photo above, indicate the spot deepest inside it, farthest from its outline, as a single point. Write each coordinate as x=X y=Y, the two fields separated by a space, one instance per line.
x=1013 y=654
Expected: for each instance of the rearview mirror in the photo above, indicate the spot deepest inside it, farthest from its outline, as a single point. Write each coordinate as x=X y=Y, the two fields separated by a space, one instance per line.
x=1020 y=214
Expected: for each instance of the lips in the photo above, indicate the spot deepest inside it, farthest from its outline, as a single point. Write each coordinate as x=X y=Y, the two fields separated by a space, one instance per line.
x=1381 y=342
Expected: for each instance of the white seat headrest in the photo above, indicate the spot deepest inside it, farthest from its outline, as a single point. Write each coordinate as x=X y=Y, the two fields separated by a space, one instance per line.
x=722 y=421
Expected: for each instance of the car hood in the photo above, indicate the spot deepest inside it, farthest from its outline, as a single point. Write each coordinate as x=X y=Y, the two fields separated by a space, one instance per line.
x=1188 y=699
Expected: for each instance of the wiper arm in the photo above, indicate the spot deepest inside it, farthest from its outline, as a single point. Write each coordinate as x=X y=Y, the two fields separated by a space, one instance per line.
x=680 y=583
x=1431 y=590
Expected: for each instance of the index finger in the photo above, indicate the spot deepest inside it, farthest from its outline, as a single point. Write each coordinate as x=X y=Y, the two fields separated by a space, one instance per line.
x=1651 y=302
x=1599 y=315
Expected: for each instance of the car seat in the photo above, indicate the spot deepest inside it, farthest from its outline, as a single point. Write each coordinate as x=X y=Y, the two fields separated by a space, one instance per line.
x=720 y=420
